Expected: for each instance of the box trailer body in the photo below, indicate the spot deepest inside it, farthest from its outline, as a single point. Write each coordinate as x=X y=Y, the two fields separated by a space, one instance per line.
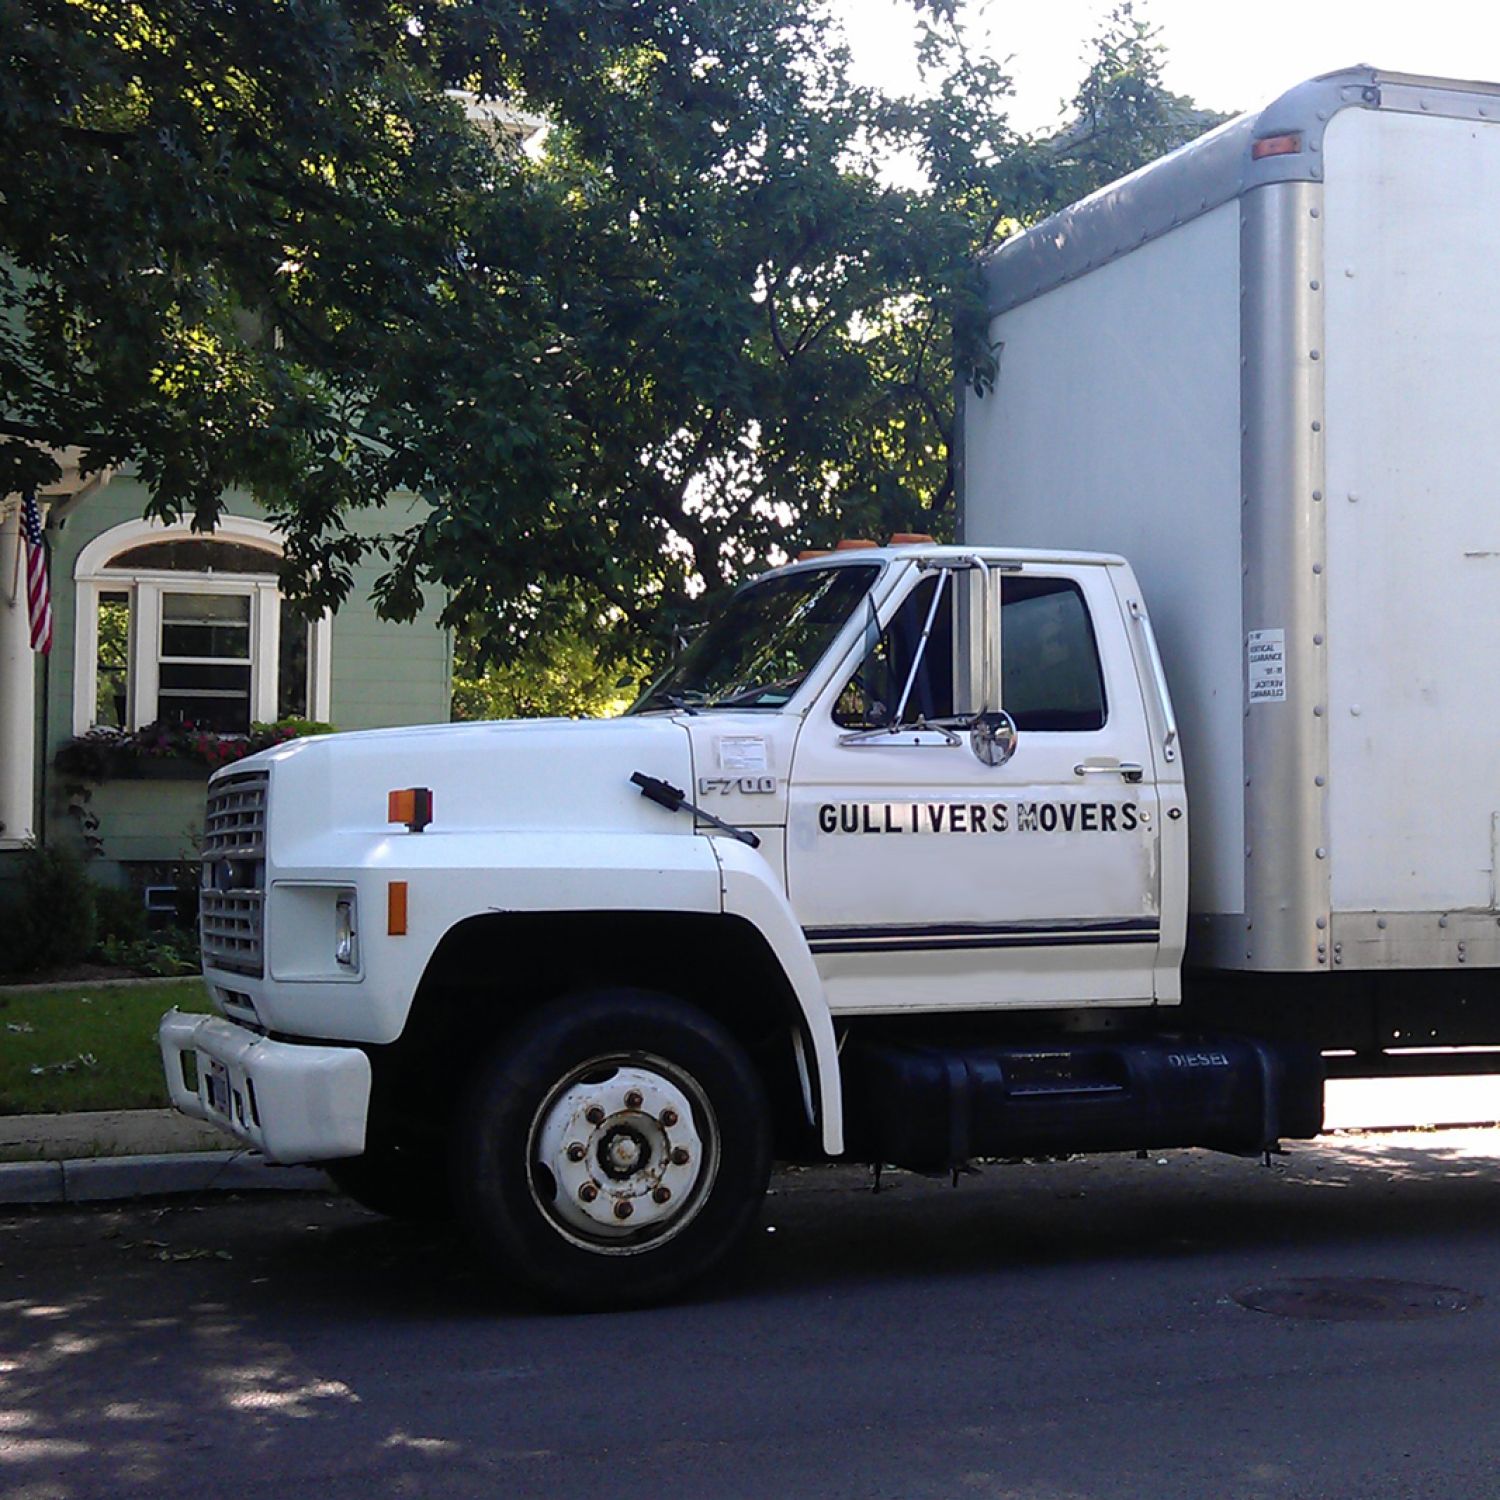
x=1266 y=369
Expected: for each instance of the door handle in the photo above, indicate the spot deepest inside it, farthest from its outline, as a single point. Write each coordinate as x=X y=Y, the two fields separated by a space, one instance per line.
x=1127 y=769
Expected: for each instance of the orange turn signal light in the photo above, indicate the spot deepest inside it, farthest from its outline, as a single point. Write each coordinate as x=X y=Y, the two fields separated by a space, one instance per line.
x=1277 y=145
x=808 y=552
x=395 y=908
x=855 y=544
x=910 y=539
x=413 y=806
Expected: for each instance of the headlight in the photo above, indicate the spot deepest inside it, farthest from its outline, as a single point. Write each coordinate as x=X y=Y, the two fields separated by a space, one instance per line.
x=346 y=932
x=312 y=931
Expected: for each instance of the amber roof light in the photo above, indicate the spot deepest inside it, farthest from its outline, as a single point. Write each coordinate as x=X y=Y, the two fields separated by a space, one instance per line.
x=1277 y=145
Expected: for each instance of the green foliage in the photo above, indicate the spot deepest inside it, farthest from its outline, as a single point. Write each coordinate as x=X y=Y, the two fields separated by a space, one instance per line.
x=62 y=919
x=1121 y=117
x=54 y=920
x=126 y=941
x=102 y=753
x=560 y=676
x=699 y=326
x=168 y=954
x=120 y=916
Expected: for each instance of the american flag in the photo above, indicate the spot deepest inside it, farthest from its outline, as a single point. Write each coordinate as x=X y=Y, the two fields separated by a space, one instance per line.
x=38 y=594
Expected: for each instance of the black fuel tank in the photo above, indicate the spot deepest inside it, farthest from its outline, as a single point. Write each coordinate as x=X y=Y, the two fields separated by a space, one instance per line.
x=928 y=1106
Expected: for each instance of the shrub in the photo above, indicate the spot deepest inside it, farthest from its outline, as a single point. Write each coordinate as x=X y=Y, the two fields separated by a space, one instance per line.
x=164 y=954
x=121 y=914
x=54 y=920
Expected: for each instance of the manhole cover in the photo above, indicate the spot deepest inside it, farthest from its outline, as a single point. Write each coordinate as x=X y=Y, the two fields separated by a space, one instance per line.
x=1346 y=1299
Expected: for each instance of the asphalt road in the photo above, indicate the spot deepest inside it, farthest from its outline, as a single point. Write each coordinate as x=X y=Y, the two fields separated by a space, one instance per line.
x=1059 y=1332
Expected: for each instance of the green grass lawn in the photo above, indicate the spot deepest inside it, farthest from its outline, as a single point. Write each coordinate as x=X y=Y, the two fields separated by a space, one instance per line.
x=84 y=1046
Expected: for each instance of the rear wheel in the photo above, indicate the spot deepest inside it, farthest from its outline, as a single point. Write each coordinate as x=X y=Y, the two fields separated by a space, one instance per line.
x=614 y=1149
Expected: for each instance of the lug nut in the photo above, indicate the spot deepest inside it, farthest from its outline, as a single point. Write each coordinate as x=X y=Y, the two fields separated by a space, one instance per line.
x=633 y=1099
x=576 y=1151
x=594 y=1114
x=661 y=1194
x=623 y=1210
x=680 y=1156
x=588 y=1192
x=669 y=1118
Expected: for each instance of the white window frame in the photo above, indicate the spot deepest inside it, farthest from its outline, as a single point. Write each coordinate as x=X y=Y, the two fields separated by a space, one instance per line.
x=92 y=577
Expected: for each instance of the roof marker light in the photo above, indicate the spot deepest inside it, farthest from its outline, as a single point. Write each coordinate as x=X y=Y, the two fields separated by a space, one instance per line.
x=1277 y=145
x=808 y=552
x=855 y=544
x=910 y=539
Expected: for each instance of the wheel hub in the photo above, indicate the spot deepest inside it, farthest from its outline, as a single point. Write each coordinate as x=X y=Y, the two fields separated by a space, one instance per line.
x=642 y=1163
x=623 y=1151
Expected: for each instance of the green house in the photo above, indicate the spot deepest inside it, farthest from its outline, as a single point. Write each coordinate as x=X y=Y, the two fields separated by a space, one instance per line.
x=156 y=624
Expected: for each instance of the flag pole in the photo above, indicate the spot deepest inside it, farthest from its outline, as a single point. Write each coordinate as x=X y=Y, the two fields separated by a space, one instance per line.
x=15 y=571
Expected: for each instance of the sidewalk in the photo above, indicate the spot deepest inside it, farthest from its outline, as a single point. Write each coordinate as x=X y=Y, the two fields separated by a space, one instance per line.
x=135 y=1153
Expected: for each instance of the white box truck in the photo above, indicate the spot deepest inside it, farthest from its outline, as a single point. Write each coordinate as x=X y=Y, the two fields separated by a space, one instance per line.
x=894 y=863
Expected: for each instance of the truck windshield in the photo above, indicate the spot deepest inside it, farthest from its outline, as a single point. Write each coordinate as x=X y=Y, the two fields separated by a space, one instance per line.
x=768 y=638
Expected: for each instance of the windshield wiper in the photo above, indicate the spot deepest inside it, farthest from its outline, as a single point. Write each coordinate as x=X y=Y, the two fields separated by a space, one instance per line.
x=672 y=700
x=674 y=799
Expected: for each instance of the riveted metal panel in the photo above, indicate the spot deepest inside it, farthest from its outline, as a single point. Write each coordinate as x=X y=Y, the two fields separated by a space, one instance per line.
x=1414 y=528
x=1314 y=835
x=1114 y=424
x=1369 y=940
x=1282 y=459
x=1216 y=168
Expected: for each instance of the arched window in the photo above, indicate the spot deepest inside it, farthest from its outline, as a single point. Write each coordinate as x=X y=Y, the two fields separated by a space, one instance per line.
x=182 y=628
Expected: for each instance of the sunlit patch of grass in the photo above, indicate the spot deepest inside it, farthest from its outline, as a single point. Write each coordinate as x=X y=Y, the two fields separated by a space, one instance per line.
x=87 y=1046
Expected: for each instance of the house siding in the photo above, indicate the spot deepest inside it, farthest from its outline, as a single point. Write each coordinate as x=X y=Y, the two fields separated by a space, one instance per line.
x=382 y=674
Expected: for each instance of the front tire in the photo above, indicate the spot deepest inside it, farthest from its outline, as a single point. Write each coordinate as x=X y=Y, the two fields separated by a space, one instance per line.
x=613 y=1149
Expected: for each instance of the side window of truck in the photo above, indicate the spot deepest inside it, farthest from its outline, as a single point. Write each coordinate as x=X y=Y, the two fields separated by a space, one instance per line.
x=871 y=696
x=1050 y=676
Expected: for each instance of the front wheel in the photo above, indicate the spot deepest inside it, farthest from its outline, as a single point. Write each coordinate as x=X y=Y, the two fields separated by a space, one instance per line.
x=614 y=1149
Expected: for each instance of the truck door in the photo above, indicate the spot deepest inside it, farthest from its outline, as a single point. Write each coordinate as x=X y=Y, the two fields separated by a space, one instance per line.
x=925 y=878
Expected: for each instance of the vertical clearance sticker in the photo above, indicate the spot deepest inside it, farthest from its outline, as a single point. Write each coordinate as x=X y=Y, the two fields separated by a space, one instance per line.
x=1265 y=665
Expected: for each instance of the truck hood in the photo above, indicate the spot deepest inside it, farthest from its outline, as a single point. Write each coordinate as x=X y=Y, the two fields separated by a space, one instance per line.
x=531 y=775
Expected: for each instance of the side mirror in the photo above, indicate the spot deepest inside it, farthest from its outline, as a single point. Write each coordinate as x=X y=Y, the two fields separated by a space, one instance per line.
x=992 y=737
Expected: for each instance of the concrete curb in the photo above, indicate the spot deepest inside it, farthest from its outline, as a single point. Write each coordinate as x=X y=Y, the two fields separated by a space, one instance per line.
x=106 y=1179
x=40 y=987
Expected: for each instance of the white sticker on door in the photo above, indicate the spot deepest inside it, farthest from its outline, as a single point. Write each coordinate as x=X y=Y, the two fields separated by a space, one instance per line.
x=1265 y=665
x=742 y=752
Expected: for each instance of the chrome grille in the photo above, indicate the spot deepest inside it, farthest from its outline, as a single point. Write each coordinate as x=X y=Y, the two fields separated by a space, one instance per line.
x=231 y=901
x=234 y=825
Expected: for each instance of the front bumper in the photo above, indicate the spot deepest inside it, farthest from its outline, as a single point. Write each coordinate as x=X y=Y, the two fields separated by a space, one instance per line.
x=292 y=1102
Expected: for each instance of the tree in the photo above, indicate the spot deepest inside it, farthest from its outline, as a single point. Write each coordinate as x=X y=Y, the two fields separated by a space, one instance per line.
x=560 y=675
x=230 y=233
x=1122 y=116
x=747 y=327
x=260 y=244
